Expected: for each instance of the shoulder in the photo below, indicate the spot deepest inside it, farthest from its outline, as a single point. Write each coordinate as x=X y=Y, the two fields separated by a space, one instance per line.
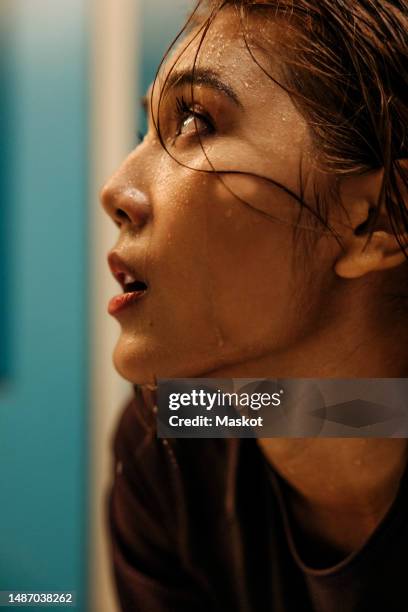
x=135 y=441
x=199 y=473
x=172 y=505
x=205 y=469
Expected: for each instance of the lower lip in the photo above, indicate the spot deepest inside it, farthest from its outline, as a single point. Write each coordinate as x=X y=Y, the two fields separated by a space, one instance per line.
x=120 y=302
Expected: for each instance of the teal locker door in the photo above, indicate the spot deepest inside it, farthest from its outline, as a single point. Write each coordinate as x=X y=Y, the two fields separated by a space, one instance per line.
x=43 y=284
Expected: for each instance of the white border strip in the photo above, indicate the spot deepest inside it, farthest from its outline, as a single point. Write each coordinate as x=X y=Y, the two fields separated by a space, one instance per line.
x=113 y=72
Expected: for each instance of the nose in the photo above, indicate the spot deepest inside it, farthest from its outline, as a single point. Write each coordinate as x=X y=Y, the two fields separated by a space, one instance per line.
x=125 y=204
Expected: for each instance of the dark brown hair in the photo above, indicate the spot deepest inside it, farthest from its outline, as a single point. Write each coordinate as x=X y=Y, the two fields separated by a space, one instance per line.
x=346 y=69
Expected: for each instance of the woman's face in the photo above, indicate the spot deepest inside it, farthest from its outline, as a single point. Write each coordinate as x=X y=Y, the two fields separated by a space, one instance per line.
x=225 y=282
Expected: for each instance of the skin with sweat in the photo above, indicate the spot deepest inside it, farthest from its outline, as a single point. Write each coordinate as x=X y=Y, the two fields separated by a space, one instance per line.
x=228 y=294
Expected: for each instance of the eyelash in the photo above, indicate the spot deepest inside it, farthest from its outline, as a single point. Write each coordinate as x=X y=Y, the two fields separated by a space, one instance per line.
x=184 y=110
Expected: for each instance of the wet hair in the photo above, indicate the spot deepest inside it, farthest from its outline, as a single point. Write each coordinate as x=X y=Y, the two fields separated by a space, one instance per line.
x=345 y=66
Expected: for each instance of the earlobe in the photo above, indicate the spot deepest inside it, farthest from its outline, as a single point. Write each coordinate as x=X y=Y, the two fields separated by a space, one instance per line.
x=362 y=255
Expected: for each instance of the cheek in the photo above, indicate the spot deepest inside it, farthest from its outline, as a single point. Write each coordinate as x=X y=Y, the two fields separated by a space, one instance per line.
x=250 y=269
x=226 y=271
x=181 y=305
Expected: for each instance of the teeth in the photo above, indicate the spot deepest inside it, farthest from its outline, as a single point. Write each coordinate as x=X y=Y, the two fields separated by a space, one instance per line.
x=128 y=279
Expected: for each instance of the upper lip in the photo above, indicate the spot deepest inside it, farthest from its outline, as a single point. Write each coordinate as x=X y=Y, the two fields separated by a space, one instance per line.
x=121 y=269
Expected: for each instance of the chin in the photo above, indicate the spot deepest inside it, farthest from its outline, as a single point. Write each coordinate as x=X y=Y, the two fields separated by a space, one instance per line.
x=132 y=361
x=143 y=360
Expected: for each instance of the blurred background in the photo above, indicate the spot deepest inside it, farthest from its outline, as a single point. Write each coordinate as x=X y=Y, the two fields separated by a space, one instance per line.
x=71 y=76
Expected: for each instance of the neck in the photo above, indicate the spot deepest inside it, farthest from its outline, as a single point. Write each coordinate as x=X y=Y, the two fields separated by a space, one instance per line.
x=340 y=489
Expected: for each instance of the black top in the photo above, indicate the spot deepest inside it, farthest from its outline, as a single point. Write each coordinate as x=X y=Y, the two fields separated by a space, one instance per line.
x=201 y=525
x=360 y=577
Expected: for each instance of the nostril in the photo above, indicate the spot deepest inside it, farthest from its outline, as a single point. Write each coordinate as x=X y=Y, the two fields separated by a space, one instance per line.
x=121 y=215
x=126 y=205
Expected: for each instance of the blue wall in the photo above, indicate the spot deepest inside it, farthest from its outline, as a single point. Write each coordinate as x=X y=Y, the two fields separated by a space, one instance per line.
x=5 y=156
x=161 y=22
x=43 y=284
x=43 y=405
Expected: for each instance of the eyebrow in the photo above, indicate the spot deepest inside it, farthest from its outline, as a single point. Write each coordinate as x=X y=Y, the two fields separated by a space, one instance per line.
x=201 y=76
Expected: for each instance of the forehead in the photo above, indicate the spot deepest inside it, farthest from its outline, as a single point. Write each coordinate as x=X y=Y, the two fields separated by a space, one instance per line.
x=227 y=46
x=208 y=42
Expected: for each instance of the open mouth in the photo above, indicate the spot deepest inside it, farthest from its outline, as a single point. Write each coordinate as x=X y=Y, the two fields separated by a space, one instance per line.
x=133 y=291
x=132 y=286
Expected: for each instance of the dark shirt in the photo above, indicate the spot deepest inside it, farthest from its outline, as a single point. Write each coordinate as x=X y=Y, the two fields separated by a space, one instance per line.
x=201 y=525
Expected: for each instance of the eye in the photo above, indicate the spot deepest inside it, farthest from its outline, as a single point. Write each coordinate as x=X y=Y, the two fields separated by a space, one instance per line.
x=192 y=120
x=194 y=123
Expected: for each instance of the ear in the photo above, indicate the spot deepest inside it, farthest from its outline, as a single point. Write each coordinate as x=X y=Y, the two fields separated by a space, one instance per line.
x=363 y=254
